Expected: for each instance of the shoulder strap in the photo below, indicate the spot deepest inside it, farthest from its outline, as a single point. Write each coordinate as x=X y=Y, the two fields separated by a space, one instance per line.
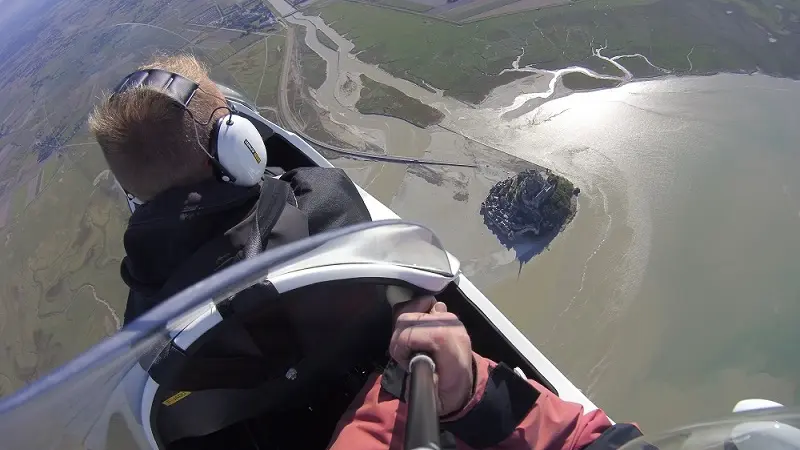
x=274 y=197
x=224 y=250
x=275 y=221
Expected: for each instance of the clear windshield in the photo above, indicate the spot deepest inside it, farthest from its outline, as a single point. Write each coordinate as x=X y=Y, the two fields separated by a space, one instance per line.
x=403 y=247
x=98 y=395
x=777 y=429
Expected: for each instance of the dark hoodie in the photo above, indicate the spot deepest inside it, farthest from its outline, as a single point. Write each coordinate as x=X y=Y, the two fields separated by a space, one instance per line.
x=202 y=228
x=165 y=232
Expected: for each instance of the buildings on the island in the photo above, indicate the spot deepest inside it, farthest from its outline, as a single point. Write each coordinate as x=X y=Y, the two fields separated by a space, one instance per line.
x=513 y=207
x=251 y=16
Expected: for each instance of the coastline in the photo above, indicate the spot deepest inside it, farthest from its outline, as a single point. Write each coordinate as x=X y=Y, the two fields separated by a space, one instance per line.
x=464 y=119
x=704 y=38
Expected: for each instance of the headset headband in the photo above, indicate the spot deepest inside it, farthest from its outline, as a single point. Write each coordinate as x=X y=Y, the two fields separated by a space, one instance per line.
x=178 y=88
x=182 y=90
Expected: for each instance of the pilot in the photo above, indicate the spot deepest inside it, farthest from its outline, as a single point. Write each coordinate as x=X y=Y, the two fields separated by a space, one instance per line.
x=480 y=403
x=193 y=170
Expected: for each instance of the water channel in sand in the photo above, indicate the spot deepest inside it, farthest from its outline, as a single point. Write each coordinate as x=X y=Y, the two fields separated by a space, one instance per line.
x=669 y=297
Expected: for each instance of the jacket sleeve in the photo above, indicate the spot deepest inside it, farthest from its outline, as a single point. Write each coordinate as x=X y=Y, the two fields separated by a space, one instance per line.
x=508 y=412
x=505 y=412
x=375 y=421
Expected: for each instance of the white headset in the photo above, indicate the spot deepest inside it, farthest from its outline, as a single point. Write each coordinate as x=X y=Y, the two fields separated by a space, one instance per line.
x=236 y=149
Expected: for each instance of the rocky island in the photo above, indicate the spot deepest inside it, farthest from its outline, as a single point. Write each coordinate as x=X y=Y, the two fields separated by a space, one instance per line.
x=534 y=204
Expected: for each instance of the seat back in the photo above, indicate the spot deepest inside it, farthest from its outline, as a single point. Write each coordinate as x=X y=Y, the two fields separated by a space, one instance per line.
x=295 y=343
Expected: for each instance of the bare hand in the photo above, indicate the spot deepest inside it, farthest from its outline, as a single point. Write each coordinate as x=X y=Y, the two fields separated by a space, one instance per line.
x=424 y=325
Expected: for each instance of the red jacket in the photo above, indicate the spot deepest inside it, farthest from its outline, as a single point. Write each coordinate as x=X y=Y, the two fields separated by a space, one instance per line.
x=506 y=412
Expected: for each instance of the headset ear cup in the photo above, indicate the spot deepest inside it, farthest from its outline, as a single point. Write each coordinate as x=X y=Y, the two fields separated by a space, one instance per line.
x=219 y=170
x=240 y=150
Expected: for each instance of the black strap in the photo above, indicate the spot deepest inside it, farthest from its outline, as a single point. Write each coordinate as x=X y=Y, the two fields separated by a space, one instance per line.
x=222 y=251
x=201 y=265
x=289 y=225
x=178 y=370
x=196 y=374
x=274 y=195
x=186 y=370
x=616 y=436
x=179 y=88
x=506 y=401
x=393 y=380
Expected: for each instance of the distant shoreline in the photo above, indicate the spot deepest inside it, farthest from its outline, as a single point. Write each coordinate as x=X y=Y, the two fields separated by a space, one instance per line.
x=684 y=37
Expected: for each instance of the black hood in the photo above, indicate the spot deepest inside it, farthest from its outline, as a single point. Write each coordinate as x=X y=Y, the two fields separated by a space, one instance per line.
x=186 y=234
x=165 y=232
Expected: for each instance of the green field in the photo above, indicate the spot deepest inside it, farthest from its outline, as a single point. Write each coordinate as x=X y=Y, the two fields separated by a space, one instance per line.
x=63 y=254
x=765 y=11
x=18 y=200
x=465 y=60
x=312 y=66
x=410 y=5
x=49 y=169
x=378 y=98
x=580 y=82
x=258 y=78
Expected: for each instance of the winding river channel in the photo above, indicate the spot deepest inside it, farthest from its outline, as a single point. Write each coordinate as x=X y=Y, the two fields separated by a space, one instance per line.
x=672 y=294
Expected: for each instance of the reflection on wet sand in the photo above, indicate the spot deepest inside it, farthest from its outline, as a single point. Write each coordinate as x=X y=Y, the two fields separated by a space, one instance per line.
x=608 y=301
x=451 y=194
x=673 y=309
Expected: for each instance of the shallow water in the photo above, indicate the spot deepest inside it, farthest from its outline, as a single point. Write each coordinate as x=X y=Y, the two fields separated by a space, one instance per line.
x=671 y=296
x=674 y=293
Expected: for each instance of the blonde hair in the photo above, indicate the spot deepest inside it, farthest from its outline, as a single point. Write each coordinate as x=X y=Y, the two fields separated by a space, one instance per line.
x=151 y=143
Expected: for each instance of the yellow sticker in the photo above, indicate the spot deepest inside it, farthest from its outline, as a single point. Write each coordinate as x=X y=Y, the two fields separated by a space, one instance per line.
x=252 y=151
x=176 y=398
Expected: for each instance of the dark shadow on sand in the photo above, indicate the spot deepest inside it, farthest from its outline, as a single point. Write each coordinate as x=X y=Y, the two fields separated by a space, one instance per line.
x=525 y=246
